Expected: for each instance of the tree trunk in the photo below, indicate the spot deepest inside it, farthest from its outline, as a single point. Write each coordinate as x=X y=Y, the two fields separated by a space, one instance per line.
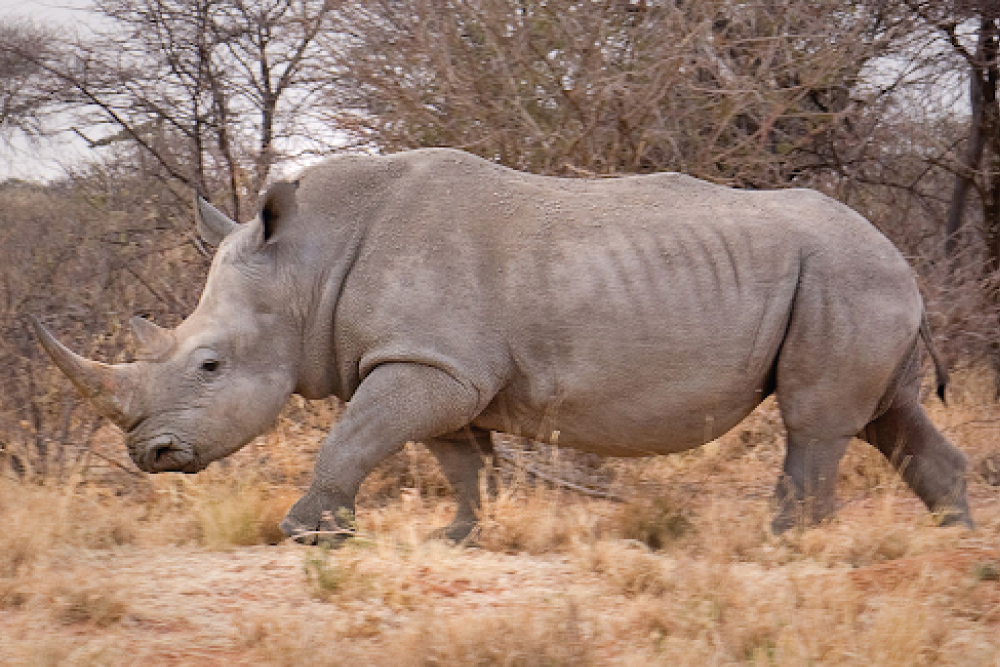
x=990 y=132
x=965 y=178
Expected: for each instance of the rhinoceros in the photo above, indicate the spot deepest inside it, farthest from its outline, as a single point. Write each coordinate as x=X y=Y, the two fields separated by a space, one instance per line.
x=445 y=297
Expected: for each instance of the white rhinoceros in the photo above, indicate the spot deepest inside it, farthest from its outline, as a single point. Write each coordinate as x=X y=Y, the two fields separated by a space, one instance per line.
x=445 y=297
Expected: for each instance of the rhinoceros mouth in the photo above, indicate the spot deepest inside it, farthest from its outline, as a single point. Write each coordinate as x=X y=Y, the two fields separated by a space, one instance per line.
x=166 y=453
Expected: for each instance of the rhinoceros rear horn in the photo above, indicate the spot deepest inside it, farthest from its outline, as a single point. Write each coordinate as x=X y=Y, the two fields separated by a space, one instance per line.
x=212 y=224
x=154 y=342
x=108 y=388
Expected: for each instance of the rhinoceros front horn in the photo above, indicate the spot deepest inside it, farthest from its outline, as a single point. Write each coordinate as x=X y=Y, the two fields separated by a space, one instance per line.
x=109 y=389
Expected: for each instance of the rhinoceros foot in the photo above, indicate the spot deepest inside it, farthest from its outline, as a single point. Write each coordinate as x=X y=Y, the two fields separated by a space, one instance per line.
x=459 y=532
x=320 y=517
x=955 y=516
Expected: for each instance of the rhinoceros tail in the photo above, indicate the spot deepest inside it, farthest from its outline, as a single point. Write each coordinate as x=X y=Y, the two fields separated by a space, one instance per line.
x=940 y=370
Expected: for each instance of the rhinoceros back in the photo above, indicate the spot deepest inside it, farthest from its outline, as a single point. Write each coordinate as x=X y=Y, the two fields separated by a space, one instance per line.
x=663 y=299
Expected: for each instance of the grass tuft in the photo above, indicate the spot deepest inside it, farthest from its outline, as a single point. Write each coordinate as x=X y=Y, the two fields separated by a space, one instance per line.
x=989 y=571
x=657 y=523
x=337 y=574
x=526 y=636
x=74 y=604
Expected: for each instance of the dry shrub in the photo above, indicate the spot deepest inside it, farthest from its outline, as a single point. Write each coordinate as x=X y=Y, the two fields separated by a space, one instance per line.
x=709 y=612
x=284 y=456
x=734 y=529
x=338 y=576
x=875 y=546
x=97 y=603
x=409 y=521
x=388 y=574
x=63 y=613
x=901 y=637
x=879 y=534
x=987 y=571
x=26 y=531
x=285 y=640
x=744 y=614
x=40 y=518
x=657 y=523
x=221 y=508
x=857 y=546
x=972 y=415
x=530 y=635
x=538 y=520
x=14 y=594
x=988 y=468
x=629 y=567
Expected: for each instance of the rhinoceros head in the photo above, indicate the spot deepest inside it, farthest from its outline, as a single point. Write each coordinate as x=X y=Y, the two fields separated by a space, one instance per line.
x=203 y=390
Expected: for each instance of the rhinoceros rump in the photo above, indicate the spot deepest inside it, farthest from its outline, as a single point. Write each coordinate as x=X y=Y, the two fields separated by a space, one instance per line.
x=446 y=297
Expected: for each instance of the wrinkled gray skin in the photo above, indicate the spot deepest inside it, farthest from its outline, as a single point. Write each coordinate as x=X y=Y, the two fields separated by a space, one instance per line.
x=446 y=297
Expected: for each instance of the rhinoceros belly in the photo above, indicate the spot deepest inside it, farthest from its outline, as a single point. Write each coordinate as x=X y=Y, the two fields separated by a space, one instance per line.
x=649 y=408
x=646 y=344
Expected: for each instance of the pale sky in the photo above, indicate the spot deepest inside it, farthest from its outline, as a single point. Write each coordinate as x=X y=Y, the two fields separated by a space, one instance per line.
x=50 y=156
x=44 y=11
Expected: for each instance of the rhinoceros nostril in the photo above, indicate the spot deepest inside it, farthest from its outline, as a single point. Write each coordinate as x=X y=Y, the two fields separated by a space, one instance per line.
x=165 y=454
x=158 y=452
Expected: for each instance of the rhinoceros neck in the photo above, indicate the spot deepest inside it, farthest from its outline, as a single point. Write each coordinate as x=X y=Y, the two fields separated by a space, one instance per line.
x=328 y=262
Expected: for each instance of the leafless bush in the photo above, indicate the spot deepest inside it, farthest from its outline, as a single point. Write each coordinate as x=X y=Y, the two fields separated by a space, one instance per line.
x=744 y=94
x=857 y=99
x=25 y=87
x=87 y=253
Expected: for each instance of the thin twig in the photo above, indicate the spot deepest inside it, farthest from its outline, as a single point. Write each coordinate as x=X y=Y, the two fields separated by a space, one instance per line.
x=969 y=422
x=558 y=481
x=106 y=459
x=328 y=533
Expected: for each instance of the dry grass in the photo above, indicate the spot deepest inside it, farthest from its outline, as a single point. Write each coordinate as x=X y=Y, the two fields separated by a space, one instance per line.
x=39 y=518
x=685 y=573
x=339 y=576
x=630 y=568
x=233 y=511
x=538 y=521
x=528 y=635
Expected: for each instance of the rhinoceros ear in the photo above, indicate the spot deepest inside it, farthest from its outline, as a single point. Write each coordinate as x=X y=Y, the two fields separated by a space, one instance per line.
x=212 y=224
x=280 y=204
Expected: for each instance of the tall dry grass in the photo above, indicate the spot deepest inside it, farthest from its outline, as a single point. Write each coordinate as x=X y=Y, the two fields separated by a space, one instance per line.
x=686 y=572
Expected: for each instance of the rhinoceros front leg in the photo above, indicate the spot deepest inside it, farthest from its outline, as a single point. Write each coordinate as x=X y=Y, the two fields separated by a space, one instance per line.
x=396 y=403
x=462 y=457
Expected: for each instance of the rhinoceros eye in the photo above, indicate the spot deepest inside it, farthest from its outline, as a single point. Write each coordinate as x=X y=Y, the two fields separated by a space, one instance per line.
x=206 y=363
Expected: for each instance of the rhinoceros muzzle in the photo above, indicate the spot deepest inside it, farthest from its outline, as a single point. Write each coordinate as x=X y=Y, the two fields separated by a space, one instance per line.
x=165 y=454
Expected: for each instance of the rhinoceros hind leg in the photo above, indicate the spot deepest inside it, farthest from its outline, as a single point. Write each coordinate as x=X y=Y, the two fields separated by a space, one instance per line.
x=462 y=458
x=807 y=491
x=930 y=465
